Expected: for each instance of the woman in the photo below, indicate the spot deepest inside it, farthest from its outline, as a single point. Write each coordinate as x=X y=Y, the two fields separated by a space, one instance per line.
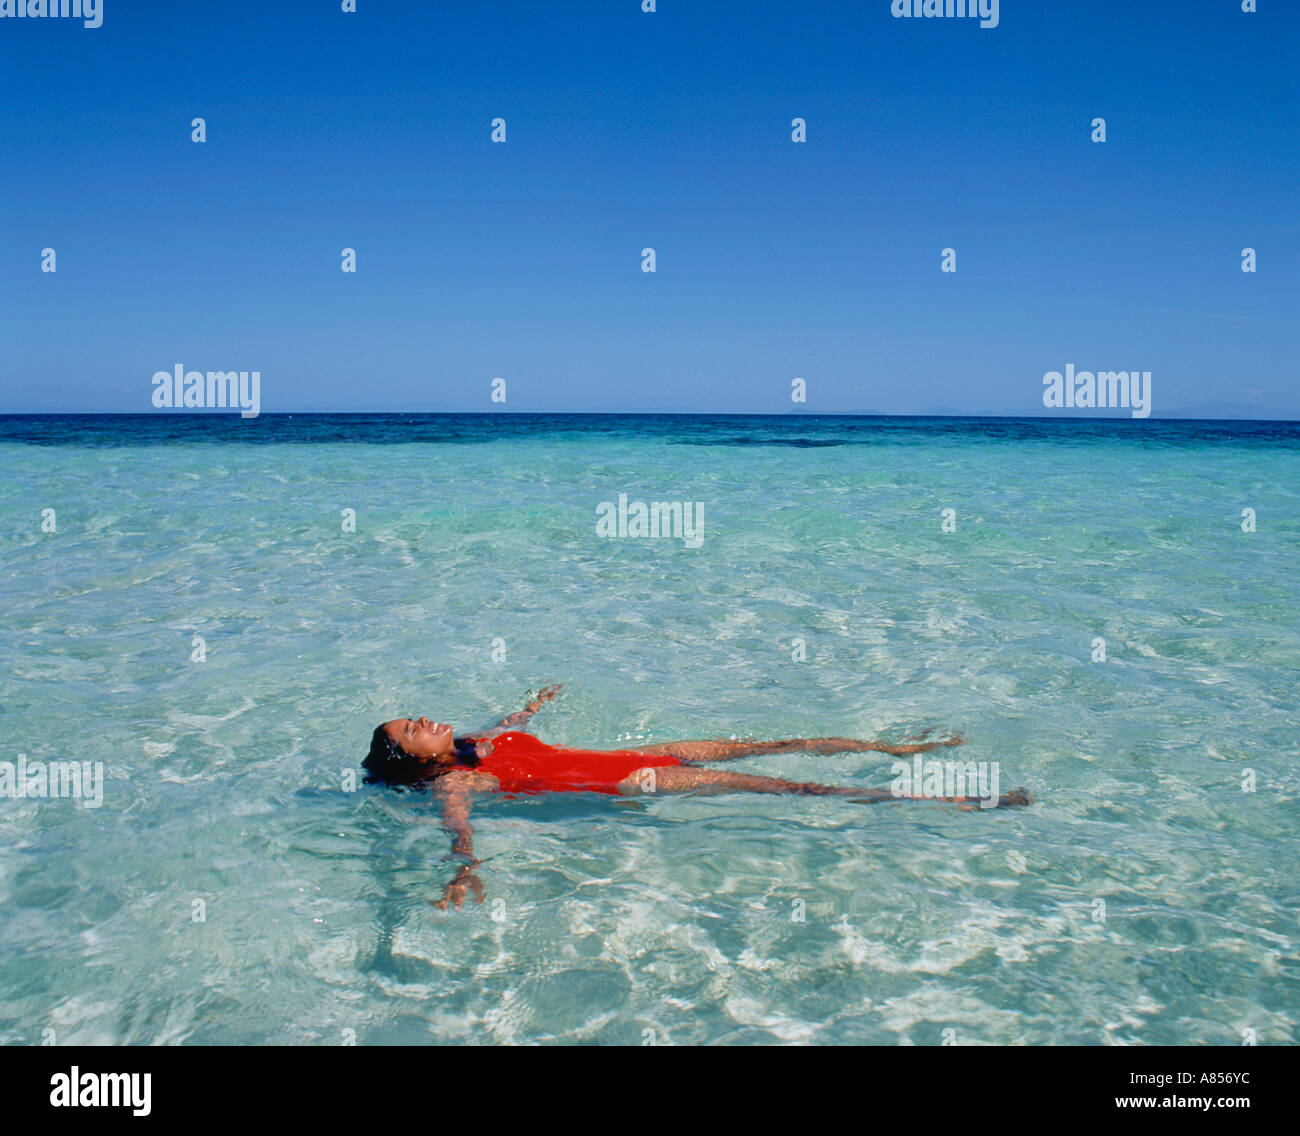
x=417 y=752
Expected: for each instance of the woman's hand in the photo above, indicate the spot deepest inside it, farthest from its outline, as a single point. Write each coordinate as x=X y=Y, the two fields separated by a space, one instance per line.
x=546 y=694
x=454 y=892
x=519 y=717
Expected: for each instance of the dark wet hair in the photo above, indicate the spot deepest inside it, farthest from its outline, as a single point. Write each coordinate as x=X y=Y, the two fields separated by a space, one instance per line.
x=388 y=763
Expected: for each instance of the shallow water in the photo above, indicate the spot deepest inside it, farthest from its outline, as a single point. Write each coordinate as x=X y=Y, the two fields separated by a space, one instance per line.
x=609 y=918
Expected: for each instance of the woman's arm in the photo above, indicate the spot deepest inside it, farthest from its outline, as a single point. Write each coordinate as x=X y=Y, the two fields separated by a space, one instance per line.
x=454 y=792
x=519 y=717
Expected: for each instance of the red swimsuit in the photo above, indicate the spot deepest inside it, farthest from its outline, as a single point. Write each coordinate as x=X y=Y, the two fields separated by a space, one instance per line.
x=522 y=764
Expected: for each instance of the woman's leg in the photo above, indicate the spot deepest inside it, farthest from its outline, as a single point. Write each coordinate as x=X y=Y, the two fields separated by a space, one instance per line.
x=684 y=779
x=702 y=752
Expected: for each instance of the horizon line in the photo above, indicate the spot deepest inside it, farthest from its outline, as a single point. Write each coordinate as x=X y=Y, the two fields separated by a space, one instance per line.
x=204 y=413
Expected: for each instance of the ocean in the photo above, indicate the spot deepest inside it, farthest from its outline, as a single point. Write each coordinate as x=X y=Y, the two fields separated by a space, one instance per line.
x=221 y=610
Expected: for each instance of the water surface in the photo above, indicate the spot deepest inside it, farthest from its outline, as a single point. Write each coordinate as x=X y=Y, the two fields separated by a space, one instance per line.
x=724 y=919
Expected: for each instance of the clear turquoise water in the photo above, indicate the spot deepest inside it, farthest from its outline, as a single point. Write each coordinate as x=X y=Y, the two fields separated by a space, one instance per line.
x=673 y=915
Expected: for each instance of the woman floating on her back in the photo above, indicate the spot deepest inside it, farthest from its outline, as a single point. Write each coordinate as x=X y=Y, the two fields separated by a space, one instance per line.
x=418 y=752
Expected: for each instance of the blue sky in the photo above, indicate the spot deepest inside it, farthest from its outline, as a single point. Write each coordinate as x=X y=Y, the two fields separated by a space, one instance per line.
x=668 y=130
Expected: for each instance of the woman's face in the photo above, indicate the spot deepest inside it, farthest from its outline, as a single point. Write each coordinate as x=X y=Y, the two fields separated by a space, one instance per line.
x=420 y=737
